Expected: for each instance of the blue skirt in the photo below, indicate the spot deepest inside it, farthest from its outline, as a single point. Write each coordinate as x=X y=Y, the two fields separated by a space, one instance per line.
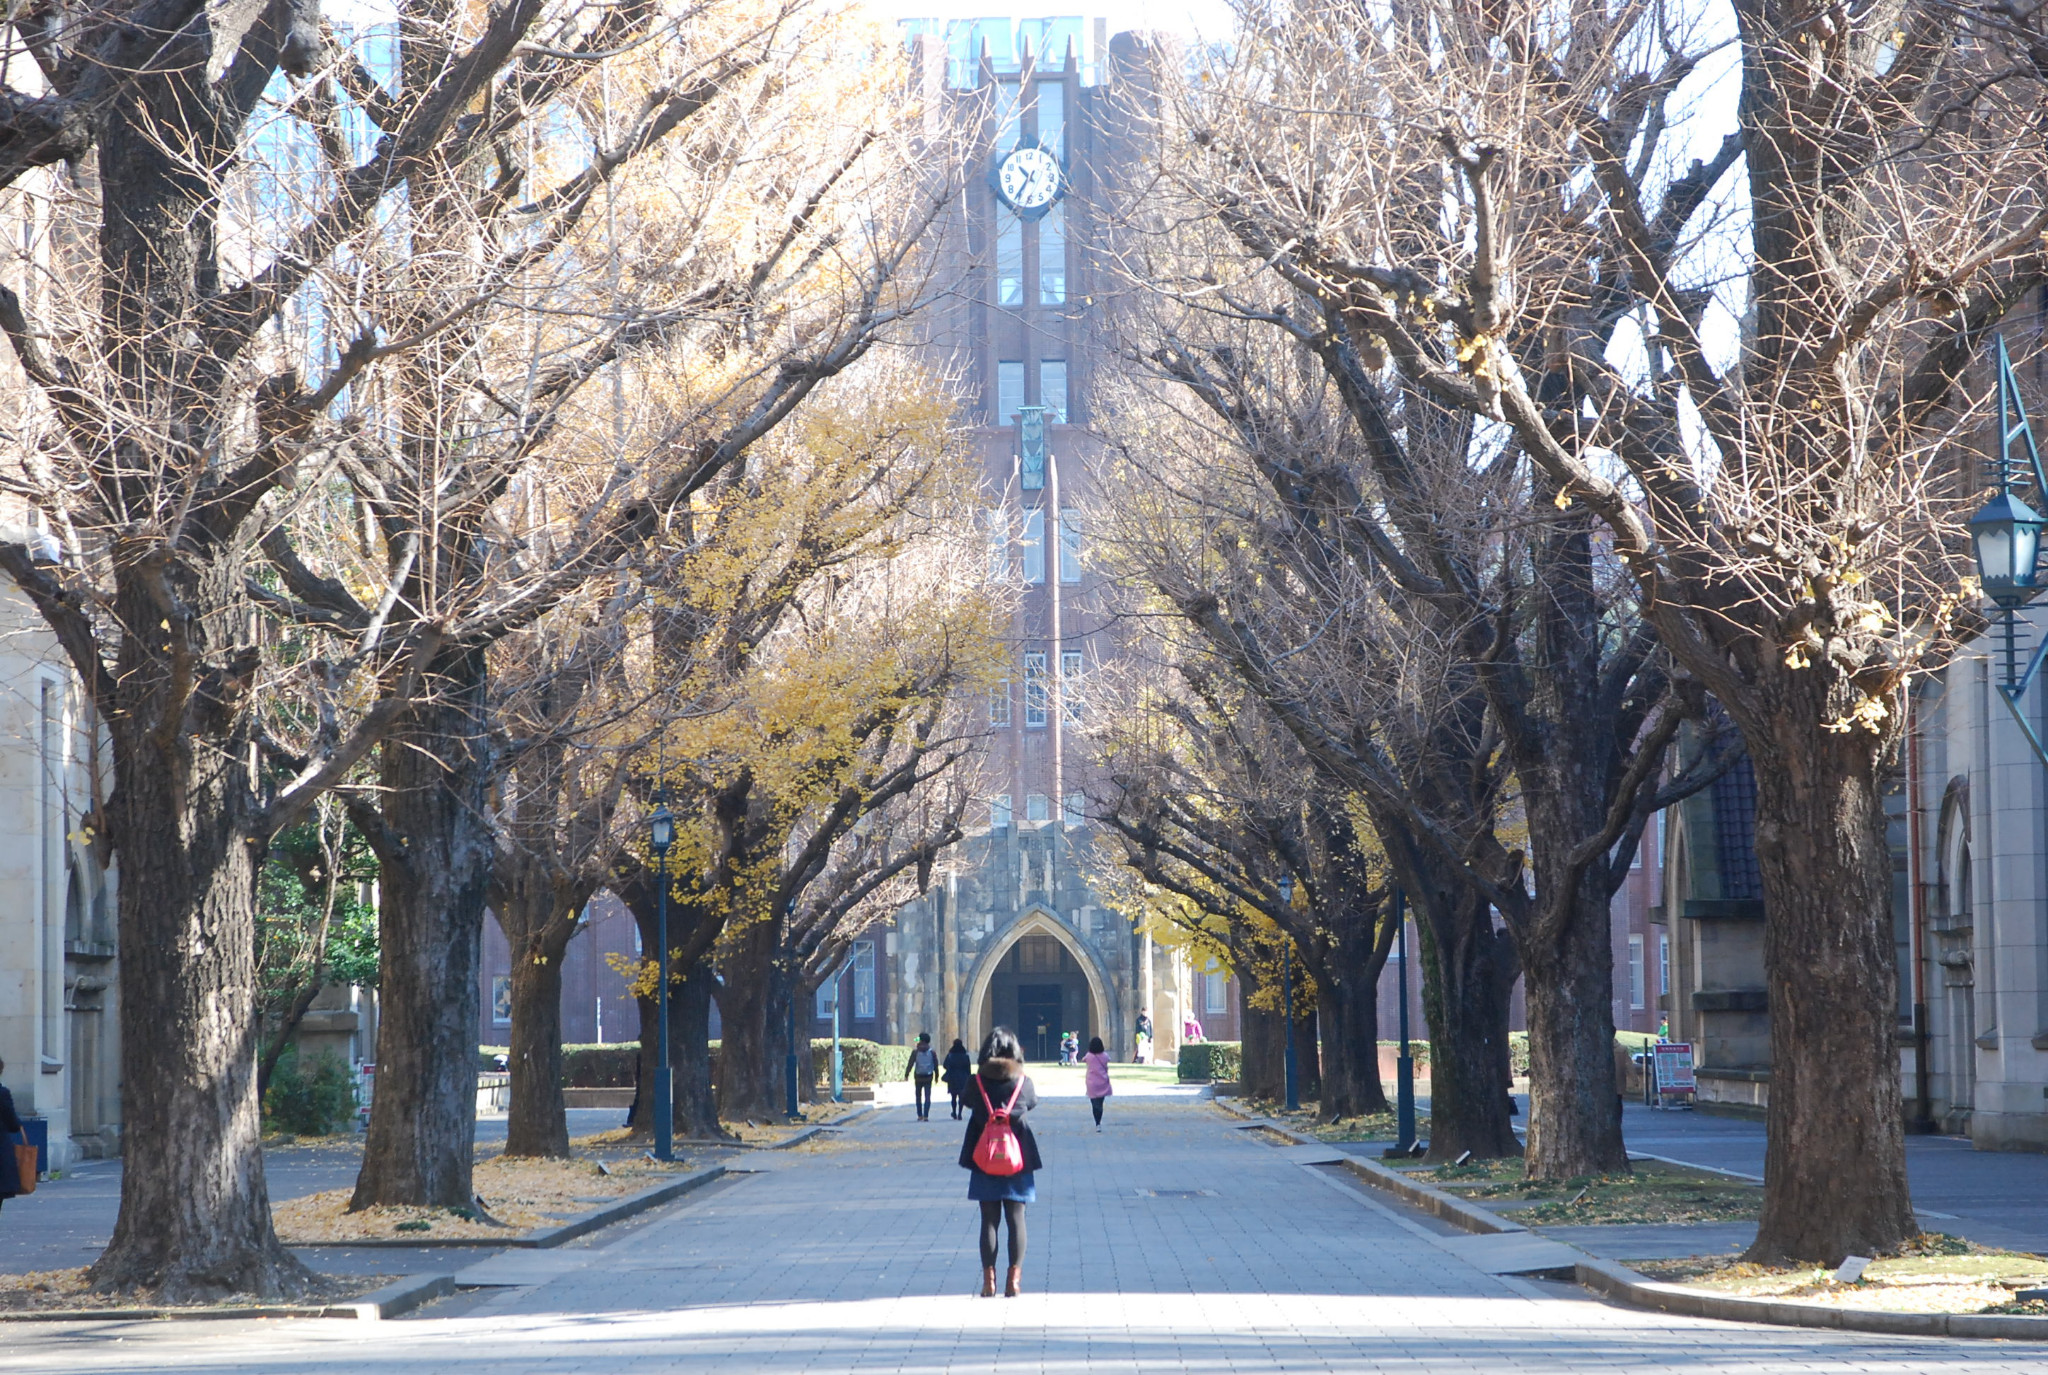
x=983 y=1187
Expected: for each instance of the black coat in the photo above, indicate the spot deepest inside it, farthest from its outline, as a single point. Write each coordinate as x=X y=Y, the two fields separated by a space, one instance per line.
x=958 y=1069
x=10 y=1136
x=999 y=1091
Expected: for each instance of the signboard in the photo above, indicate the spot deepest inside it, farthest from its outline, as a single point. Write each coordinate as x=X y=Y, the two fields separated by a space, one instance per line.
x=1672 y=1061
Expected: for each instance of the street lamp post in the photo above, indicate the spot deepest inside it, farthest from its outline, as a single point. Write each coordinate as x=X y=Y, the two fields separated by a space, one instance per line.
x=790 y=1064
x=1404 y=1064
x=2005 y=538
x=1287 y=998
x=661 y=833
x=838 y=1065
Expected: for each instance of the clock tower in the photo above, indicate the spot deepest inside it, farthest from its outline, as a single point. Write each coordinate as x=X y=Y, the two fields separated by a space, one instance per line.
x=1011 y=932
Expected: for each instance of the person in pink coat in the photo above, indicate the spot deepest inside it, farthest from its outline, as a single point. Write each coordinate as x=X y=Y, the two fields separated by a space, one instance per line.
x=1097 y=1060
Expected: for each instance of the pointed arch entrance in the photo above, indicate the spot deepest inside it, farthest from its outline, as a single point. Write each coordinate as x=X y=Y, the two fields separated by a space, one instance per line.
x=1015 y=976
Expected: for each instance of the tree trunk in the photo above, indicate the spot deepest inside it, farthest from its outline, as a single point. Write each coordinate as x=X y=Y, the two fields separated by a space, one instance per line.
x=1575 y=1108
x=1835 y=1166
x=194 y=1224
x=1260 y=1048
x=754 y=1014
x=1467 y=968
x=437 y=854
x=538 y=1123
x=1348 y=1011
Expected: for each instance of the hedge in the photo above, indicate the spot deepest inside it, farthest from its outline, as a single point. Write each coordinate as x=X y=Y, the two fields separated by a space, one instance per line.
x=861 y=1062
x=1206 y=1061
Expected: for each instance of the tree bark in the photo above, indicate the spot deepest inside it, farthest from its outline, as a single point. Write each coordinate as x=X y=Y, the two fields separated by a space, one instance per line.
x=538 y=1122
x=1835 y=1166
x=1348 y=1012
x=1259 y=1047
x=194 y=1224
x=1468 y=969
x=1575 y=1108
x=753 y=1013
x=437 y=851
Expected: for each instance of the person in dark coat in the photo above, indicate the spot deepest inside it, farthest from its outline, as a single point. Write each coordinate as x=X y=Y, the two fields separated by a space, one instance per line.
x=957 y=1070
x=1001 y=1080
x=12 y=1134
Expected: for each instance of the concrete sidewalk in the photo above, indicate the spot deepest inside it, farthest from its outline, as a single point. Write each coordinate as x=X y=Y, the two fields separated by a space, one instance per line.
x=67 y=1222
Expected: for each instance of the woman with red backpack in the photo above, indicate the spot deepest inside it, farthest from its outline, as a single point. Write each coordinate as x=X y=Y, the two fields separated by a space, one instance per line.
x=1001 y=1152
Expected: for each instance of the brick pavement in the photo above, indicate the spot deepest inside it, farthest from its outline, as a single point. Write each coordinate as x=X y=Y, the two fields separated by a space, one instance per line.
x=859 y=1255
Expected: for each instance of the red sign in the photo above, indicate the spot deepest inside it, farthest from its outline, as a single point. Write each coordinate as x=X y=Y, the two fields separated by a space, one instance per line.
x=1673 y=1062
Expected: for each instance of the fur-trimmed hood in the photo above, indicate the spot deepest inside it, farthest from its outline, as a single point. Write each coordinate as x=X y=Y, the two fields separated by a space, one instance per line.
x=997 y=1068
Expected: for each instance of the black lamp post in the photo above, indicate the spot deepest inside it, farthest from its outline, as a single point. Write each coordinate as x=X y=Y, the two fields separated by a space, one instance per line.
x=1404 y=1064
x=1287 y=997
x=2005 y=538
x=661 y=833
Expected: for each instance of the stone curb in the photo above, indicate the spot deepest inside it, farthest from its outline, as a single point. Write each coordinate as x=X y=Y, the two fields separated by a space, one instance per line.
x=1618 y=1282
x=546 y=1237
x=400 y=1296
x=808 y=1132
x=1428 y=1198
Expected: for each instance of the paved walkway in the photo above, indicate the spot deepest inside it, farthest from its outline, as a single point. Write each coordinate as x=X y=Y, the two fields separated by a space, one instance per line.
x=1168 y=1242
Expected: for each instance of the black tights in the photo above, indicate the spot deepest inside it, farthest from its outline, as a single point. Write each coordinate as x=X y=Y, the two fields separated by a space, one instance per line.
x=1096 y=1104
x=992 y=1214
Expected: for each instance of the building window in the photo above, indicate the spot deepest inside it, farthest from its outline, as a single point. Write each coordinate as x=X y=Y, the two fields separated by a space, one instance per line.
x=1052 y=256
x=1076 y=811
x=863 y=979
x=1033 y=544
x=1035 y=693
x=827 y=992
x=1635 y=972
x=1664 y=962
x=999 y=812
x=999 y=703
x=1037 y=807
x=1009 y=391
x=501 y=1000
x=1070 y=686
x=1052 y=116
x=1215 y=991
x=1070 y=547
x=1008 y=115
x=1009 y=259
x=998 y=544
x=1052 y=389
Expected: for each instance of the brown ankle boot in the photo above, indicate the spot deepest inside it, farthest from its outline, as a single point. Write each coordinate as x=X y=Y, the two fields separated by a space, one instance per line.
x=988 y=1281
x=1016 y=1284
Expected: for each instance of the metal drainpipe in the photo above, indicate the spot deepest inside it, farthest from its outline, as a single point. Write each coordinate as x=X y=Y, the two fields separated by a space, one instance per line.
x=1916 y=916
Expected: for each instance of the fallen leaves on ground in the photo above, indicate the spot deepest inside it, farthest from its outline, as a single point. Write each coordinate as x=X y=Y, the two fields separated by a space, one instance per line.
x=68 y=1290
x=1938 y=1274
x=1651 y=1193
x=523 y=1194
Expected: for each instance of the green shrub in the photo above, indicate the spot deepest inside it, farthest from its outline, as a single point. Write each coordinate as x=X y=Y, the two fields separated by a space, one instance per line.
x=1205 y=1061
x=313 y=1099
x=861 y=1062
x=609 y=1066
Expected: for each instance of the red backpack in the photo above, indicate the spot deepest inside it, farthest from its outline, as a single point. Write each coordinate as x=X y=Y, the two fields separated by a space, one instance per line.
x=999 y=1152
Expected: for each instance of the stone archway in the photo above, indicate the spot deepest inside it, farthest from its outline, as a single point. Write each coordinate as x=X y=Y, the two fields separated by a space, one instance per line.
x=1039 y=922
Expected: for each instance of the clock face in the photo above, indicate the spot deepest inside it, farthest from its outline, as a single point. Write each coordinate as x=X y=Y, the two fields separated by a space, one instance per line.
x=1030 y=178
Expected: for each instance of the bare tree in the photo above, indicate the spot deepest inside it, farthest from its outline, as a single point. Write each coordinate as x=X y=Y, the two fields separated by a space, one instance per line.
x=1510 y=210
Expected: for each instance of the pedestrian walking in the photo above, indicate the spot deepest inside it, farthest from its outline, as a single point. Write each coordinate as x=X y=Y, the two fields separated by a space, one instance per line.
x=1144 y=1056
x=922 y=1069
x=1097 y=1060
x=12 y=1134
x=1002 y=1153
x=957 y=1070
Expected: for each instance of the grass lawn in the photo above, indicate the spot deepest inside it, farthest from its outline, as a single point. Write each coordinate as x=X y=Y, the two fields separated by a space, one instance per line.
x=1936 y=1273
